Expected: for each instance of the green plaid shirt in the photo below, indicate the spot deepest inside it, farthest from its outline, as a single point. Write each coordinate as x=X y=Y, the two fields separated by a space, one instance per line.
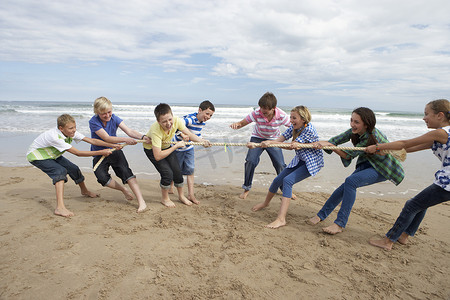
x=386 y=165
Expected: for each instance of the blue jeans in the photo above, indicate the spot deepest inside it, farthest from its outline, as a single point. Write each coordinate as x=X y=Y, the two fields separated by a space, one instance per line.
x=252 y=160
x=187 y=161
x=57 y=169
x=288 y=177
x=364 y=175
x=414 y=211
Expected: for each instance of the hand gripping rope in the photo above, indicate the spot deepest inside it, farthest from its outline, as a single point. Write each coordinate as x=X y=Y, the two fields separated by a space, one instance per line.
x=398 y=154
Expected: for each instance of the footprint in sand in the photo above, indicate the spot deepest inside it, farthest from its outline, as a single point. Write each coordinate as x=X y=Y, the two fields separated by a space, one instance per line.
x=12 y=180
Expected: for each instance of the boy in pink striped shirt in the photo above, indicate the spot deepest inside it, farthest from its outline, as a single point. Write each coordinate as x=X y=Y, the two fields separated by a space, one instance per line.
x=268 y=118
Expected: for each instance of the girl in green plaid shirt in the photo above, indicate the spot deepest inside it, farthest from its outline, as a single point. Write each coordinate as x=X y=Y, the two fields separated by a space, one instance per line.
x=370 y=169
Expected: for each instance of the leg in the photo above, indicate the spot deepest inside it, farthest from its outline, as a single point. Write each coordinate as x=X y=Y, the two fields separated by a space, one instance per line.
x=414 y=211
x=364 y=175
x=294 y=175
x=174 y=166
x=251 y=161
x=117 y=186
x=132 y=182
x=61 y=210
x=281 y=218
x=190 y=184
x=165 y=200
x=276 y=156
x=276 y=183
x=86 y=192
x=163 y=168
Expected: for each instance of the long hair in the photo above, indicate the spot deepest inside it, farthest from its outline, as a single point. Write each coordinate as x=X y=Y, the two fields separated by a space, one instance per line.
x=305 y=115
x=368 y=118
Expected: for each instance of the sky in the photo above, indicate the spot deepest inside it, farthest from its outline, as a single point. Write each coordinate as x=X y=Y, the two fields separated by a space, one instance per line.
x=389 y=55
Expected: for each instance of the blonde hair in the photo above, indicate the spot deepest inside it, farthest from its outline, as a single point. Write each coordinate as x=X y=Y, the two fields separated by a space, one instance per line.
x=101 y=104
x=64 y=119
x=440 y=105
x=305 y=115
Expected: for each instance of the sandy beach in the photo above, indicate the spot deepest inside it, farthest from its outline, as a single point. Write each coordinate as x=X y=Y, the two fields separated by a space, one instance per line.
x=217 y=250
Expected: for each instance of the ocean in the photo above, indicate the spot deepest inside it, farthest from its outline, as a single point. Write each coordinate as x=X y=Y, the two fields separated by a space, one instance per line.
x=23 y=121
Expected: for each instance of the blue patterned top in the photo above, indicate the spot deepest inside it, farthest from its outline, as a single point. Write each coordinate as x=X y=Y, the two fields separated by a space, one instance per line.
x=313 y=158
x=442 y=151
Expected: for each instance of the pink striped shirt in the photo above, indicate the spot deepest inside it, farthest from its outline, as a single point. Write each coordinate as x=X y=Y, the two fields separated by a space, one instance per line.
x=265 y=129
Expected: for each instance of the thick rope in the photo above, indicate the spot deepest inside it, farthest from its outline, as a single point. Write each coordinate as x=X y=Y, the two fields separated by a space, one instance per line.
x=282 y=145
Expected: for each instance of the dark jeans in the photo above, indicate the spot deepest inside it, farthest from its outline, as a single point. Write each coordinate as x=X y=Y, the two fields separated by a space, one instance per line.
x=57 y=169
x=168 y=168
x=414 y=211
x=119 y=164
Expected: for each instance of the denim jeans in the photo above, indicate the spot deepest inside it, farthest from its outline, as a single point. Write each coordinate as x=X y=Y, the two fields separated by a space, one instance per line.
x=168 y=168
x=288 y=177
x=119 y=164
x=252 y=160
x=187 y=161
x=57 y=169
x=364 y=175
x=414 y=211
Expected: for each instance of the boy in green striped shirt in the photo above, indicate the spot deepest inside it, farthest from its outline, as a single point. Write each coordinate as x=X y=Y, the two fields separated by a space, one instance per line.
x=46 y=153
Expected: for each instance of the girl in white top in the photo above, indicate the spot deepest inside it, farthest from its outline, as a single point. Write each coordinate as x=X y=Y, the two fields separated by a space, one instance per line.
x=437 y=116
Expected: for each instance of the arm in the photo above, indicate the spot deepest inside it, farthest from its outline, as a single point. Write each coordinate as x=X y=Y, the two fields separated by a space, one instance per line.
x=239 y=125
x=195 y=138
x=321 y=144
x=416 y=144
x=75 y=151
x=266 y=143
x=161 y=154
x=134 y=133
x=98 y=142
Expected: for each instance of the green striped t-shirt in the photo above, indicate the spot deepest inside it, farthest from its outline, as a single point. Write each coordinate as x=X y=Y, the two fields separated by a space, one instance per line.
x=51 y=144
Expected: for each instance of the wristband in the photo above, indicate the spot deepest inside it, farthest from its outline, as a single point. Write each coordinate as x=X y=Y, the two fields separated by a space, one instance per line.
x=377 y=149
x=142 y=137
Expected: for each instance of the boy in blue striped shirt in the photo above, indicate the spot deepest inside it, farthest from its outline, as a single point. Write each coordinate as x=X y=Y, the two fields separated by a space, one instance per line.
x=195 y=123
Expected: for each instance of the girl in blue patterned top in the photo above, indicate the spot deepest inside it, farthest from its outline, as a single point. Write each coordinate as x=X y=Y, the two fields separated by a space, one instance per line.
x=437 y=116
x=306 y=162
x=370 y=169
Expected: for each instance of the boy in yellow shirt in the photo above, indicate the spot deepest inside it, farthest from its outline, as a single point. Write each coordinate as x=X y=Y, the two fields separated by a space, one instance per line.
x=162 y=154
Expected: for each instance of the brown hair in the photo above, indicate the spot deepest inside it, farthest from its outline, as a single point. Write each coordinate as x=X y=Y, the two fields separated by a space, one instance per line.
x=206 y=104
x=161 y=110
x=369 y=119
x=440 y=105
x=268 y=100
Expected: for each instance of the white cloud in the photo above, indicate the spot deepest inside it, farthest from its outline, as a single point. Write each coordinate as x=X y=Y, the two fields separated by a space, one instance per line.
x=400 y=45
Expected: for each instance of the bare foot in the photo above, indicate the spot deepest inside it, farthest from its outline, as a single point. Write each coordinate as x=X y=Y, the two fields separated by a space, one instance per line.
x=142 y=208
x=276 y=224
x=244 y=194
x=259 y=206
x=185 y=200
x=385 y=243
x=193 y=199
x=332 y=229
x=294 y=197
x=63 y=212
x=90 y=194
x=314 y=220
x=403 y=239
x=168 y=203
x=128 y=195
